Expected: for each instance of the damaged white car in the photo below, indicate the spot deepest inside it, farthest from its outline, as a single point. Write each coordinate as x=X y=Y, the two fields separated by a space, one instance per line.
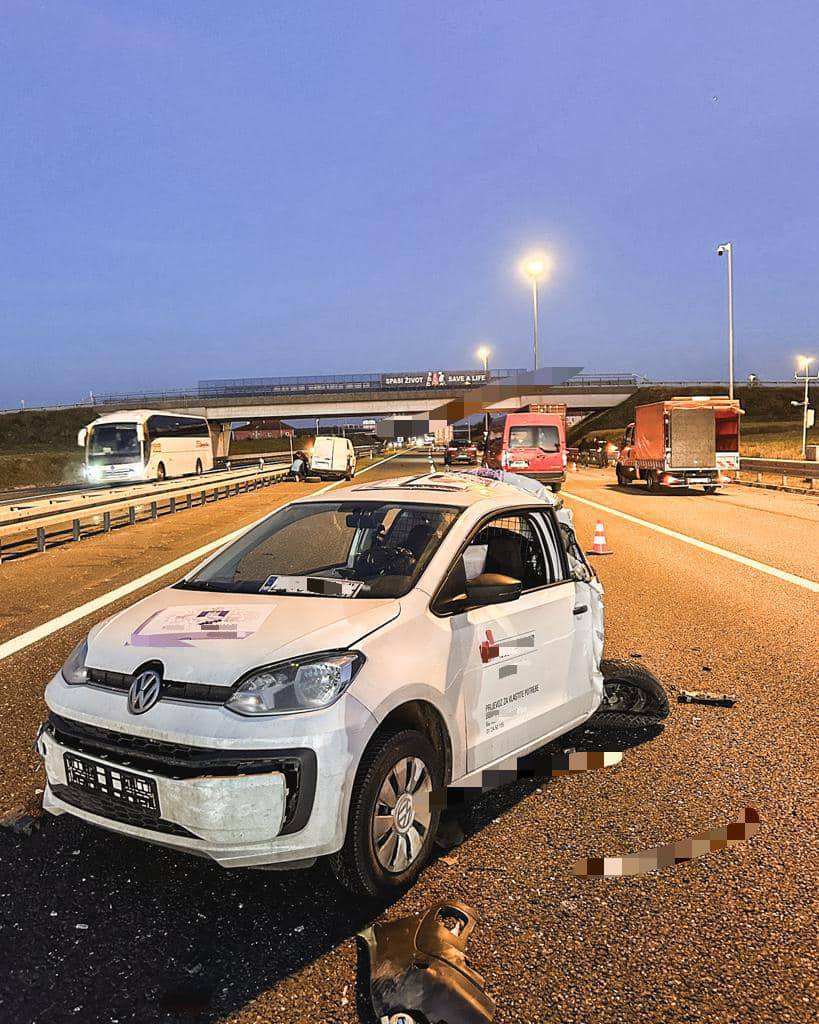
x=307 y=690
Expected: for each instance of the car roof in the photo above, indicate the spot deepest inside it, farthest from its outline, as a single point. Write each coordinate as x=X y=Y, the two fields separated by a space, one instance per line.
x=441 y=488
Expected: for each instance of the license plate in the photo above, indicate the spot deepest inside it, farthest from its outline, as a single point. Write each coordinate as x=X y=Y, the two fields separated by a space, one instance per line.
x=111 y=782
x=519 y=465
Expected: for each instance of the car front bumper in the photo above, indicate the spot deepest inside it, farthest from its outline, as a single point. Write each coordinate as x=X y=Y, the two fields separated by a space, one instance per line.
x=238 y=803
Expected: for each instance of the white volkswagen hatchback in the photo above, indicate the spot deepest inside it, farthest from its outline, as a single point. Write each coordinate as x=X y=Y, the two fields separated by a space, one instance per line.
x=312 y=689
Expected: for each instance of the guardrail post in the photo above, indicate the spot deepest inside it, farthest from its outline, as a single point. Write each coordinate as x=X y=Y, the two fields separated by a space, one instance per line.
x=172 y=504
x=41 y=538
x=154 y=511
x=75 y=529
x=759 y=478
x=203 y=497
x=131 y=515
x=106 y=522
x=188 y=503
x=784 y=480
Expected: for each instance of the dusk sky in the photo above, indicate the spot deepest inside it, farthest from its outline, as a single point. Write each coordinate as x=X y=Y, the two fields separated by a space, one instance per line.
x=195 y=190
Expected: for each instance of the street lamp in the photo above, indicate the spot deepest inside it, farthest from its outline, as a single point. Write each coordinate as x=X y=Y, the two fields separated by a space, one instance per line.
x=804 y=363
x=727 y=247
x=535 y=267
x=483 y=353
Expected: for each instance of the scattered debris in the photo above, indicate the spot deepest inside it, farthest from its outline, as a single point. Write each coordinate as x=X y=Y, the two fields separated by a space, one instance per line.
x=418 y=965
x=24 y=819
x=723 y=700
x=672 y=853
x=449 y=861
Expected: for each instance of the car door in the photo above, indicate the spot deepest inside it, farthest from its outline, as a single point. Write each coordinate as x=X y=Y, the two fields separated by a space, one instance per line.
x=512 y=658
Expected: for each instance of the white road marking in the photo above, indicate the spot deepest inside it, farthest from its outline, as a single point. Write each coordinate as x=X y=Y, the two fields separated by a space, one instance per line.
x=32 y=636
x=732 y=556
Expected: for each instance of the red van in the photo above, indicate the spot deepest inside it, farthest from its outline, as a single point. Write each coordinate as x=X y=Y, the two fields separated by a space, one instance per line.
x=530 y=443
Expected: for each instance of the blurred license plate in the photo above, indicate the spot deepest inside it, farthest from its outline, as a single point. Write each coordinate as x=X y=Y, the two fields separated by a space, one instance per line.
x=111 y=782
x=519 y=465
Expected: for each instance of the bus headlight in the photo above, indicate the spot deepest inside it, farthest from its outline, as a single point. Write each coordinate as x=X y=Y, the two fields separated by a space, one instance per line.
x=304 y=684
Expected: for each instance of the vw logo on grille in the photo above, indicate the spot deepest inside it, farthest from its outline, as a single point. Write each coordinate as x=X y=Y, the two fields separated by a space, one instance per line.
x=144 y=691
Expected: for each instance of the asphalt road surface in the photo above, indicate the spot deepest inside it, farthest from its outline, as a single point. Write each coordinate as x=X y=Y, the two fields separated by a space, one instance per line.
x=99 y=928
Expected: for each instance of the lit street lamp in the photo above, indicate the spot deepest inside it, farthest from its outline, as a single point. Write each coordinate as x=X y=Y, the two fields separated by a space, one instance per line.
x=535 y=267
x=483 y=353
x=804 y=363
x=727 y=247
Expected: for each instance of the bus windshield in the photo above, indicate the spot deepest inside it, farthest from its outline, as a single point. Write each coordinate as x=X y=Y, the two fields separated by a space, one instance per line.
x=113 y=442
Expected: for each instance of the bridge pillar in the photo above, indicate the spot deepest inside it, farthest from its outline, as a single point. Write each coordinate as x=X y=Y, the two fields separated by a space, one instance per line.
x=220 y=436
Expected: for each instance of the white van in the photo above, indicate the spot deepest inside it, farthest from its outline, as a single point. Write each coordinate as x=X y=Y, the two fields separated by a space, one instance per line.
x=333 y=458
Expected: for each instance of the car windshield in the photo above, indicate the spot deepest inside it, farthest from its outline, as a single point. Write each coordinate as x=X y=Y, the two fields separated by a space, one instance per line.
x=545 y=438
x=111 y=442
x=331 y=549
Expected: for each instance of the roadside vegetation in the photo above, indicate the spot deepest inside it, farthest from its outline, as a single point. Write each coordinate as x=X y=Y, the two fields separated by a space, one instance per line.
x=771 y=426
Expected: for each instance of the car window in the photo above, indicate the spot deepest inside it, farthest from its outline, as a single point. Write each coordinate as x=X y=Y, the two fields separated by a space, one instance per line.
x=552 y=544
x=512 y=548
x=339 y=549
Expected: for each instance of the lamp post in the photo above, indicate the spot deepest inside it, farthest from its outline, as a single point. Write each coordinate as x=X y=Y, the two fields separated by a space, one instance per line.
x=483 y=354
x=535 y=268
x=727 y=248
x=804 y=362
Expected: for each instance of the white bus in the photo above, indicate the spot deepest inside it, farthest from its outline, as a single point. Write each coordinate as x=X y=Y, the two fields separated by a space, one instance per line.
x=145 y=445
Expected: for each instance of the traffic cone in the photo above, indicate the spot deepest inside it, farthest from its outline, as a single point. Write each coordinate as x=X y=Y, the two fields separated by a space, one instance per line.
x=599 y=545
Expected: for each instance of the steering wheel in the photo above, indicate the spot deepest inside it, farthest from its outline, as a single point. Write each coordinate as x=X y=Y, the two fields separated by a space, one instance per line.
x=385 y=560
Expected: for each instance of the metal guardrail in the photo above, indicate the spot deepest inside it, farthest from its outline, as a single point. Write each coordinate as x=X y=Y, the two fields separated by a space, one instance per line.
x=788 y=469
x=50 y=529
x=35 y=531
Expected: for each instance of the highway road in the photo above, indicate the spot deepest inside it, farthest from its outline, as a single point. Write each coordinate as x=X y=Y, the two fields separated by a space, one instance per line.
x=713 y=593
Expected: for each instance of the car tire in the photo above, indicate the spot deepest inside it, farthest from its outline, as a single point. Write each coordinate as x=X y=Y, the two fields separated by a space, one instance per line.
x=357 y=866
x=622 y=479
x=198 y=467
x=711 y=489
x=160 y=471
x=652 y=481
x=632 y=696
x=556 y=488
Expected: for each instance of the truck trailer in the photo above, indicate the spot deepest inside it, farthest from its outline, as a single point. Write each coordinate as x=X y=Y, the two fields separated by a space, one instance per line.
x=681 y=442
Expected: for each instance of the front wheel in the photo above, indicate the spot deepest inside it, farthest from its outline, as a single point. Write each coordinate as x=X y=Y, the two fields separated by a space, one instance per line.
x=631 y=695
x=392 y=822
x=622 y=479
x=711 y=489
x=198 y=467
x=160 y=471
x=556 y=488
x=653 y=482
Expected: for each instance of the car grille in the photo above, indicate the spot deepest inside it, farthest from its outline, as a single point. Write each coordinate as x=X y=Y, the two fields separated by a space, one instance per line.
x=200 y=693
x=108 y=807
x=181 y=761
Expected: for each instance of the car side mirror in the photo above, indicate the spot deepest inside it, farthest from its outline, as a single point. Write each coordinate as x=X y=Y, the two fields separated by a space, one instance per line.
x=493 y=588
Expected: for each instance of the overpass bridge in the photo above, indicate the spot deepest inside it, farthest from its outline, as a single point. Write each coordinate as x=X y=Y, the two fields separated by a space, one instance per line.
x=448 y=395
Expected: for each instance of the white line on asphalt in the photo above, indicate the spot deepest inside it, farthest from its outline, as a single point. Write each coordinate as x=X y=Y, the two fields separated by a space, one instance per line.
x=31 y=636
x=732 y=556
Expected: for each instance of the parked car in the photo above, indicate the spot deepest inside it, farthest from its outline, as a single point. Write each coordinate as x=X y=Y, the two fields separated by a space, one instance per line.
x=332 y=458
x=684 y=441
x=311 y=689
x=529 y=443
x=459 y=451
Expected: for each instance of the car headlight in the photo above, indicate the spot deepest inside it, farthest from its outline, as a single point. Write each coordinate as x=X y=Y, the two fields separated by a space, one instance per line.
x=304 y=684
x=74 y=670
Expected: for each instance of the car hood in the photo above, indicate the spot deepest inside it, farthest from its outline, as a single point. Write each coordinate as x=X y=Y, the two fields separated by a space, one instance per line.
x=216 y=638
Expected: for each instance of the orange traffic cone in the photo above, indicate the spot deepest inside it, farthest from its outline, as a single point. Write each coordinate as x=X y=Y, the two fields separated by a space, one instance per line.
x=599 y=545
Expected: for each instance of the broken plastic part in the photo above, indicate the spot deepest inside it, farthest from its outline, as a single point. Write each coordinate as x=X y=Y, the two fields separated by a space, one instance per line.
x=418 y=969
x=723 y=700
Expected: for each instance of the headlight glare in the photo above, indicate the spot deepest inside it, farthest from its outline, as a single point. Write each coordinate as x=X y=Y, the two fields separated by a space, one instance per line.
x=74 y=670
x=304 y=684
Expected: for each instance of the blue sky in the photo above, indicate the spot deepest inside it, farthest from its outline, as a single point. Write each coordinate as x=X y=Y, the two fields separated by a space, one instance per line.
x=196 y=189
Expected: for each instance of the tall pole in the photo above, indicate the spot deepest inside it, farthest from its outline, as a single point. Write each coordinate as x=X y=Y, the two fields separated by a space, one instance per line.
x=534 y=309
x=805 y=417
x=730 y=321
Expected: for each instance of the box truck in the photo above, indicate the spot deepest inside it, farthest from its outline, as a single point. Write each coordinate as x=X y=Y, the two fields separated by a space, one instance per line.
x=681 y=442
